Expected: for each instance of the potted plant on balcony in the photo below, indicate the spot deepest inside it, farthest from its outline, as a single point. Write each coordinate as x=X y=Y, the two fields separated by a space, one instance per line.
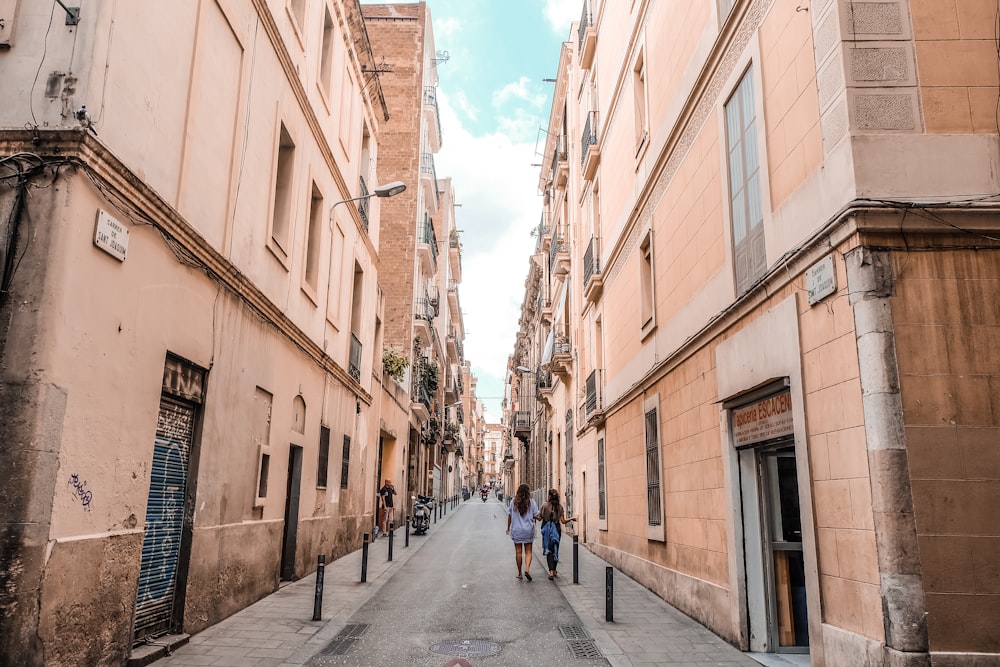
x=394 y=363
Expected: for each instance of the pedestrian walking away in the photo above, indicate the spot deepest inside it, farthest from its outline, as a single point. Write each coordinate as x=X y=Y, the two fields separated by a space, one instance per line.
x=553 y=518
x=522 y=512
x=386 y=494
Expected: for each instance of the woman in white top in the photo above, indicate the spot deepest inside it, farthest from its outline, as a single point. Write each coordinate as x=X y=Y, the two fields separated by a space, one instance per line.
x=522 y=512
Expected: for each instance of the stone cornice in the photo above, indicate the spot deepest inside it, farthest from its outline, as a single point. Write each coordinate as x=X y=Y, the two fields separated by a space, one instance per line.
x=82 y=150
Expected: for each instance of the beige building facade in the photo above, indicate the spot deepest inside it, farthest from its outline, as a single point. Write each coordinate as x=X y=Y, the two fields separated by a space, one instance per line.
x=195 y=313
x=752 y=347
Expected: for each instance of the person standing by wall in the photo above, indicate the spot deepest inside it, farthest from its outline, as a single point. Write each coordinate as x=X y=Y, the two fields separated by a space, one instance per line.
x=522 y=512
x=553 y=516
x=386 y=494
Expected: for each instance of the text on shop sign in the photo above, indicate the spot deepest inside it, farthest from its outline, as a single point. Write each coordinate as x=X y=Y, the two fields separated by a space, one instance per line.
x=764 y=420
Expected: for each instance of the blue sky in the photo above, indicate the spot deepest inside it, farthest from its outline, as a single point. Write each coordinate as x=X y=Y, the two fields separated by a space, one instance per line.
x=493 y=102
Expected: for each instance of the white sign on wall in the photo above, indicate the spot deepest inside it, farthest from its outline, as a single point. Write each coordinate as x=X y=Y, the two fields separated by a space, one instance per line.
x=764 y=420
x=111 y=236
x=821 y=279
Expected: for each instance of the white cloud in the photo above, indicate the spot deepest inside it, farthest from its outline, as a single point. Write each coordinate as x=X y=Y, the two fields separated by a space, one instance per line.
x=561 y=13
x=444 y=28
x=498 y=191
x=463 y=103
x=519 y=90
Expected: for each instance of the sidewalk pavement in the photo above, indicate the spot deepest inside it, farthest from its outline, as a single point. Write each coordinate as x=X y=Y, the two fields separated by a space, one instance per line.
x=278 y=631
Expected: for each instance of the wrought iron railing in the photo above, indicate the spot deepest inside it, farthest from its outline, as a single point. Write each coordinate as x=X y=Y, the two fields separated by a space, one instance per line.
x=591 y=260
x=423 y=310
x=430 y=99
x=589 y=136
x=594 y=401
x=543 y=379
x=363 y=203
x=427 y=167
x=586 y=20
x=522 y=421
x=354 y=363
x=558 y=246
x=428 y=236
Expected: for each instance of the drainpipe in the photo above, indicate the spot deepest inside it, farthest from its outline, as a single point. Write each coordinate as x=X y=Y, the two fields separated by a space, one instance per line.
x=870 y=286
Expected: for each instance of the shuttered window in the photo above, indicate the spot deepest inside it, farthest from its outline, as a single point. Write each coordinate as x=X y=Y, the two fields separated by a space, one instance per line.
x=345 y=465
x=744 y=185
x=654 y=492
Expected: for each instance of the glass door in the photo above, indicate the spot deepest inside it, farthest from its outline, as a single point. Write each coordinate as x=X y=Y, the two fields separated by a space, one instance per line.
x=782 y=527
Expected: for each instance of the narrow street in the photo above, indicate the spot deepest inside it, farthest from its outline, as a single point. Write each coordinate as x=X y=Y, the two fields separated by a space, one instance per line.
x=451 y=599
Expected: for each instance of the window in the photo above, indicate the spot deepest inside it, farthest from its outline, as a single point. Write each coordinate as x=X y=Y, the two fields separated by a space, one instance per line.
x=345 y=463
x=315 y=240
x=639 y=102
x=602 y=498
x=326 y=55
x=323 y=467
x=265 y=467
x=746 y=213
x=281 y=215
x=298 y=11
x=261 y=429
x=647 y=311
x=654 y=491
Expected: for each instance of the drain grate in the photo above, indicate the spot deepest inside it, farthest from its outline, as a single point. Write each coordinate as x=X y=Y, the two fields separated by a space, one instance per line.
x=584 y=648
x=573 y=632
x=345 y=639
x=469 y=648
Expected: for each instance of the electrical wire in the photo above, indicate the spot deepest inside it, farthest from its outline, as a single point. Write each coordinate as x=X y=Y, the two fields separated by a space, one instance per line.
x=45 y=48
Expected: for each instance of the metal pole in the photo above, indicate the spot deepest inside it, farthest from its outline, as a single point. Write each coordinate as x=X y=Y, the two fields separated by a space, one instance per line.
x=392 y=530
x=576 y=559
x=318 y=599
x=406 y=542
x=609 y=594
x=364 y=560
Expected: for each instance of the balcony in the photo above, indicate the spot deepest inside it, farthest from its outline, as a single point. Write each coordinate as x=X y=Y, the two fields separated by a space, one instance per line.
x=428 y=181
x=560 y=165
x=545 y=384
x=562 y=356
x=587 y=37
x=423 y=316
x=455 y=347
x=363 y=203
x=452 y=436
x=593 y=279
x=455 y=255
x=354 y=362
x=427 y=248
x=433 y=116
x=425 y=379
x=592 y=408
x=590 y=154
x=522 y=423
x=558 y=256
x=451 y=393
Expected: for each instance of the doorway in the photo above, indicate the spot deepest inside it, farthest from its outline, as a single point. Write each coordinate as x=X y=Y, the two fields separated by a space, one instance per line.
x=290 y=531
x=775 y=564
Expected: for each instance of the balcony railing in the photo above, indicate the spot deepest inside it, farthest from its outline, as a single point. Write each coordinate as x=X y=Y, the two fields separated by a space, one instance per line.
x=430 y=99
x=589 y=136
x=522 y=421
x=427 y=236
x=543 y=380
x=427 y=167
x=558 y=246
x=594 y=400
x=363 y=203
x=591 y=261
x=354 y=363
x=586 y=21
x=423 y=310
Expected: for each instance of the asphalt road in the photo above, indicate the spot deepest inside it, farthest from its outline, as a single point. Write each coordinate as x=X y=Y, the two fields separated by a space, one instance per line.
x=457 y=602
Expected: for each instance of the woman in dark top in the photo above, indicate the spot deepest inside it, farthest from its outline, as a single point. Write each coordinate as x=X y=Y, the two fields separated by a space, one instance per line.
x=553 y=517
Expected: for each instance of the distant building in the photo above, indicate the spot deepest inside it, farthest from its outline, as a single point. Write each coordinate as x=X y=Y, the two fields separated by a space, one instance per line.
x=754 y=342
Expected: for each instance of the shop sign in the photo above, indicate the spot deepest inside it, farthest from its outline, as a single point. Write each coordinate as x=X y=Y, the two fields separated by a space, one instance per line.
x=766 y=419
x=111 y=236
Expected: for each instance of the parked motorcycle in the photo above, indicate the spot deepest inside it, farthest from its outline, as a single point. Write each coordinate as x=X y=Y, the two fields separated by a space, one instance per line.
x=421 y=514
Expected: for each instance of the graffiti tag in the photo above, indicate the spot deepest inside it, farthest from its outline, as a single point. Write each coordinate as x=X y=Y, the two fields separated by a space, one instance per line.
x=81 y=492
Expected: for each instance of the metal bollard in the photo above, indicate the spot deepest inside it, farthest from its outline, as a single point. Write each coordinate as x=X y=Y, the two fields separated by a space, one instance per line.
x=318 y=599
x=364 y=560
x=392 y=532
x=609 y=594
x=406 y=542
x=435 y=513
x=576 y=559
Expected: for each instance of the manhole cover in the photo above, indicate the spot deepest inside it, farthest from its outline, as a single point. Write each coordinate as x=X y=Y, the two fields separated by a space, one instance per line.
x=345 y=639
x=469 y=648
x=584 y=648
x=573 y=632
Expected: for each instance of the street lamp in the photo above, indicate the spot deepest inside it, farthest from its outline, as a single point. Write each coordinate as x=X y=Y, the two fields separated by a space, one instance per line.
x=388 y=190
